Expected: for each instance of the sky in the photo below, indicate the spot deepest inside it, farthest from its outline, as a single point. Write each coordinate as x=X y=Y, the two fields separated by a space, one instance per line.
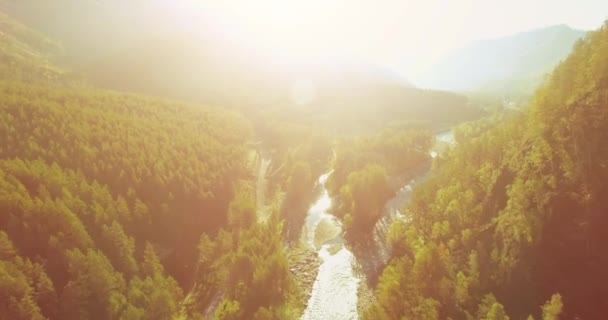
x=407 y=36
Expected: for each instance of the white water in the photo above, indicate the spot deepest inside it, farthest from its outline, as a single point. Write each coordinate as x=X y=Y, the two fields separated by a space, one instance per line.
x=334 y=293
x=318 y=211
x=446 y=136
x=442 y=140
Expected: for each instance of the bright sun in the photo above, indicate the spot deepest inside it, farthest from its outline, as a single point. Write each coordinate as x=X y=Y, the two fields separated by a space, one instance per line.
x=401 y=34
x=289 y=29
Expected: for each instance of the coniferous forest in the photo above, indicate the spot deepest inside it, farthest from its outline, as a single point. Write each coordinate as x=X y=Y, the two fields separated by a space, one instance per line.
x=127 y=194
x=513 y=218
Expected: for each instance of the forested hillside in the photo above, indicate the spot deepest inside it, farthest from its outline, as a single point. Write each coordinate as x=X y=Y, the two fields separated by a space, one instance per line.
x=513 y=218
x=25 y=54
x=104 y=197
x=268 y=191
x=342 y=98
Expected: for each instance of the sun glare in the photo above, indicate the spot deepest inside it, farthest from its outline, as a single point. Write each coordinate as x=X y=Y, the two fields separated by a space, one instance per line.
x=296 y=29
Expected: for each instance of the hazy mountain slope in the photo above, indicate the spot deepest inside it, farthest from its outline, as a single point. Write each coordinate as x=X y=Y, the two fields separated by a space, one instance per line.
x=514 y=216
x=98 y=187
x=179 y=68
x=86 y=28
x=25 y=54
x=150 y=52
x=510 y=65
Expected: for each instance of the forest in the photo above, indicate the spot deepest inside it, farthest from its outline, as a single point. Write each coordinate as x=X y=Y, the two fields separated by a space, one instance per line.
x=105 y=196
x=126 y=193
x=510 y=223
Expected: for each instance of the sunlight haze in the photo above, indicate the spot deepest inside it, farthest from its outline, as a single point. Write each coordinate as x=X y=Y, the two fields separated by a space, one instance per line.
x=406 y=36
x=303 y=159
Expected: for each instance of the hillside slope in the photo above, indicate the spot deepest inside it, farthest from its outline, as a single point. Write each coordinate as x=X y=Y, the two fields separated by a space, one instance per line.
x=514 y=216
x=104 y=197
x=511 y=66
x=26 y=54
x=151 y=52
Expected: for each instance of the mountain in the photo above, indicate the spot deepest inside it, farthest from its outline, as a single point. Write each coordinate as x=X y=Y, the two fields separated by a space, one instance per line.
x=339 y=96
x=82 y=25
x=510 y=66
x=512 y=220
x=105 y=195
x=26 y=54
x=148 y=52
x=119 y=205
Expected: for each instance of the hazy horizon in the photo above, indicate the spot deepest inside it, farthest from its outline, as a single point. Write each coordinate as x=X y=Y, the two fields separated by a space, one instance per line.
x=405 y=36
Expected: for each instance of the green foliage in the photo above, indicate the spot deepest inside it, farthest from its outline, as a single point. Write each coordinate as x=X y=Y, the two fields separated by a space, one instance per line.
x=359 y=183
x=512 y=207
x=242 y=209
x=104 y=195
x=104 y=198
x=26 y=55
x=227 y=310
x=94 y=286
x=7 y=249
x=25 y=288
x=84 y=234
x=170 y=166
x=299 y=153
x=249 y=267
x=88 y=177
x=153 y=295
x=497 y=312
x=363 y=198
x=120 y=248
x=553 y=308
x=398 y=150
x=299 y=186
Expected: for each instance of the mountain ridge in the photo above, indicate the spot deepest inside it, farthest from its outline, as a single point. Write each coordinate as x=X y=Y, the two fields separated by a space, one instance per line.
x=511 y=66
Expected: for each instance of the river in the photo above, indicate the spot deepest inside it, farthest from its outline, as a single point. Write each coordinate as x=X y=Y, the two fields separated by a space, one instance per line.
x=334 y=292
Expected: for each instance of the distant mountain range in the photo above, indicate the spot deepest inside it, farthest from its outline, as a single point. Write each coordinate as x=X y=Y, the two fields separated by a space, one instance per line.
x=129 y=46
x=510 y=66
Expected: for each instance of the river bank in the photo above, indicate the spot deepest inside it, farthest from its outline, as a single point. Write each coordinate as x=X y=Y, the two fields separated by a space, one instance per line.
x=344 y=285
x=304 y=266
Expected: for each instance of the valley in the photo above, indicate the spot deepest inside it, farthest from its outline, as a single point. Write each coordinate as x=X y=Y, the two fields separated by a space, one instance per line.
x=157 y=162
